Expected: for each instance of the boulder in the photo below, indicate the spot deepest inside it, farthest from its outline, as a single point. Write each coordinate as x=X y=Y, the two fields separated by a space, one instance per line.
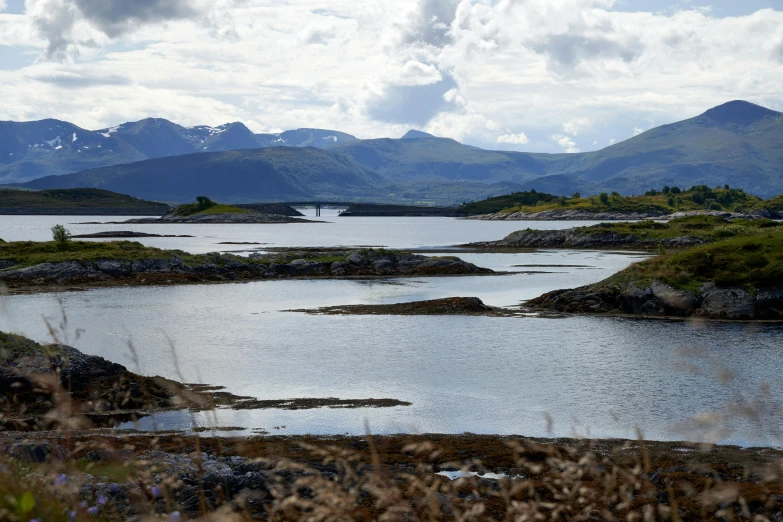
x=728 y=303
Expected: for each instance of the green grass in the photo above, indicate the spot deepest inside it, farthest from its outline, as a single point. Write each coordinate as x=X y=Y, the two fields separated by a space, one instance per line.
x=708 y=228
x=13 y=346
x=750 y=261
x=113 y=471
x=193 y=209
x=29 y=253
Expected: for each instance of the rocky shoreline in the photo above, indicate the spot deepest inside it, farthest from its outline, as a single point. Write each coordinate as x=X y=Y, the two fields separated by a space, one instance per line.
x=48 y=386
x=583 y=215
x=658 y=299
x=121 y=234
x=217 y=267
x=568 y=215
x=446 y=306
x=249 y=217
x=583 y=238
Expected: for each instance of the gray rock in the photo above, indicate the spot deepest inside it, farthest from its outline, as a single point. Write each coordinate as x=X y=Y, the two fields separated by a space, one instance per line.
x=37 y=452
x=355 y=258
x=383 y=264
x=114 y=267
x=729 y=303
x=57 y=271
x=675 y=298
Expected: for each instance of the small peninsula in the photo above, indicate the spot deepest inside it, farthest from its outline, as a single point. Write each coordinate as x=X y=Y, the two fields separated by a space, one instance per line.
x=681 y=232
x=737 y=278
x=76 y=201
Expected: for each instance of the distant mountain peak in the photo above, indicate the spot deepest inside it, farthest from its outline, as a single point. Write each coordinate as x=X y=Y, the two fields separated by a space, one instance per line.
x=415 y=134
x=739 y=112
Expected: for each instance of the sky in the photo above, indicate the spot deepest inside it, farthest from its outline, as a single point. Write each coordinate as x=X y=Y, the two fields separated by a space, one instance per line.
x=528 y=75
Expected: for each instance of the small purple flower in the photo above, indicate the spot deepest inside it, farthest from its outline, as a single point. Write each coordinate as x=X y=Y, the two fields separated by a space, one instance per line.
x=60 y=479
x=72 y=515
x=83 y=504
x=92 y=510
x=102 y=500
x=115 y=488
x=156 y=491
x=175 y=516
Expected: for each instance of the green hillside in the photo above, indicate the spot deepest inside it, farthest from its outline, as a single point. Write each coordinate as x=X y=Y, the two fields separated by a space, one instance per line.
x=738 y=143
x=427 y=158
x=270 y=174
x=71 y=198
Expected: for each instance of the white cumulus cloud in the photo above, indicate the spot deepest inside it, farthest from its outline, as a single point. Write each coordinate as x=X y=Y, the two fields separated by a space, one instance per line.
x=637 y=131
x=576 y=125
x=413 y=73
x=514 y=139
x=566 y=143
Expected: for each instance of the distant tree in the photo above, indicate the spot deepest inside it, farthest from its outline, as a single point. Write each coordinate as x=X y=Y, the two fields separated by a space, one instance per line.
x=576 y=195
x=670 y=201
x=665 y=189
x=204 y=202
x=651 y=192
x=61 y=234
x=604 y=198
x=561 y=201
x=615 y=194
x=675 y=190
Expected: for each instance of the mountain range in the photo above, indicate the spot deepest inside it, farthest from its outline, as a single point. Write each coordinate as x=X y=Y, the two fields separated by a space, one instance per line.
x=737 y=143
x=30 y=150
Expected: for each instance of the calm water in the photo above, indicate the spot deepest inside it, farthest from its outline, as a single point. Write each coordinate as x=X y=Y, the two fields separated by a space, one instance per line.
x=592 y=376
x=401 y=232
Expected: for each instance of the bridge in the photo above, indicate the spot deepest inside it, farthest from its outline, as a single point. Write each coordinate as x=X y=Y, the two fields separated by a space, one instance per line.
x=354 y=208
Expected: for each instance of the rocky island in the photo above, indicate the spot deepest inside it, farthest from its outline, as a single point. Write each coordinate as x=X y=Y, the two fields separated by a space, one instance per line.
x=206 y=211
x=446 y=306
x=52 y=266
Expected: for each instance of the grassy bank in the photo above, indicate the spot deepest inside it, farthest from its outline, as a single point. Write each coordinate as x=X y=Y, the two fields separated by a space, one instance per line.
x=193 y=209
x=666 y=201
x=751 y=261
x=393 y=478
x=708 y=228
x=30 y=253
